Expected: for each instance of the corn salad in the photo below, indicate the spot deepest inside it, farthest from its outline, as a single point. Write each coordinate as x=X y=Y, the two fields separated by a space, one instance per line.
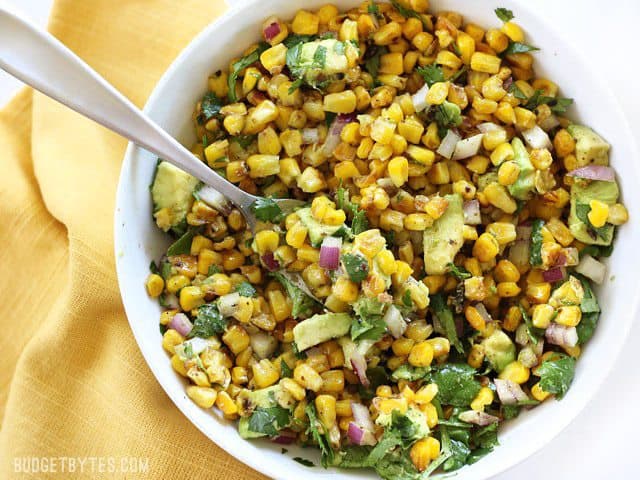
x=437 y=279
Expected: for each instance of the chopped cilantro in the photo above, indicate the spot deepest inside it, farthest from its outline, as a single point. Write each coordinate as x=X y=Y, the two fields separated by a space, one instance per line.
x=369 y=323
x=359 y=222
x=459 y=272
x=153 y=268
x=304 y=461
x=182 y=246
x=210 y=106
x=445 y=316
x=267 y=210
x=240 y=65
x=504 y=14
x=534 y=333
x=456 y=384
x=556 y=374
x=357 y=266
x=408 y=13
x=447 y=115
x=213 y=269
x=245 y=289
x=285 y=370
x=244 y=140
x=373 y=9
x=515 y=90
x=321 y=438
x=582 y=212
x=519 y=47
x=406 y=299
x=431 y=74
x=535 y=251
x=590 y=312
x=269 y=420
x=208 y=322
x=303 y=304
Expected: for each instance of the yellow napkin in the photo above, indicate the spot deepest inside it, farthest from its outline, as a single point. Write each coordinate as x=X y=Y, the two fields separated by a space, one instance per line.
x=74 y=389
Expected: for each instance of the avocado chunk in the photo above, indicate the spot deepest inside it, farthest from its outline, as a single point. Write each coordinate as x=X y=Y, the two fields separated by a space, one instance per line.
x=319 y=62
x=320 y=328
x=590 y=147
x=317 y=231
x=262 y=398
x=172 y=189
x=499 y=350
x=582 y=192
x=521 y=188
x=443 y=239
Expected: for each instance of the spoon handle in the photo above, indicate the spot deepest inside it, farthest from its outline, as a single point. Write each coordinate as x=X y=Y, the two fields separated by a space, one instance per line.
x=40 y=60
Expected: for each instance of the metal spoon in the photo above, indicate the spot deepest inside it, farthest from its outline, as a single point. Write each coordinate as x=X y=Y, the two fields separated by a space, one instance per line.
x=40 y=60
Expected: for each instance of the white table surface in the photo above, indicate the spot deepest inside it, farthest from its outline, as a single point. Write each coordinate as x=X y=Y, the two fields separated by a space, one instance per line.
x=602 y=440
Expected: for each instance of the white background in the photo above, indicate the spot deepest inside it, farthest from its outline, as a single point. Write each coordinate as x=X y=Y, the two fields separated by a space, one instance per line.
x=602 y=440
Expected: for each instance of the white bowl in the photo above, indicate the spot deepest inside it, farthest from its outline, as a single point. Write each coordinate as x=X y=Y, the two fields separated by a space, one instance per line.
x=138 y=241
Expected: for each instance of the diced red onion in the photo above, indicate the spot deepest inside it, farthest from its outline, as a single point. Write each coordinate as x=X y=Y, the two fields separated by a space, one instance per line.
x=488 y=127
x=482 y=310
x=270 y=262
x=592 y=268
x=594 y=172
x=333 y=135
x=310 y=135
x=395 y=322
x=549 y=123
x=215 y=199
x=554 y=274
x=271 y=31
x=523 y=232
x=507 y=83
x=467 y=147
x=478 y=418
x=286 y=437
x=448 y=144
x=181 y=324
x=419 y=98
x=361 y=416
x=509 y=392
x=263 y=344
x=537 y=138
x=330 y=253
x=471 y=210
x=359 y=365
x=360 y=436
x=561 y=335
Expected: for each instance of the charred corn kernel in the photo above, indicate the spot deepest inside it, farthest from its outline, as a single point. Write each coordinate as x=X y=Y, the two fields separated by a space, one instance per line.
x=402 y=346
x=411 y=28
x=280 y=307
x=311 y=180
x=525 y=119
x=505 y=113
x=512 y=319
x=386 y=262
x=351 y=134
x=421 y=355
x=234 y=124
x=542 y=315
x=516 y=372
x=268 y=142
x=332 y=381
x=486 y=247
x=198 y=377
x=506 y=271
x=497 y=40
x=387 y=34
x=569 y=316
x=474 y=318
x=478 y=164
x=418 y=221
x=177 y=282
x=170 y=339
x=483 y=106
x=398 y=170
x=422 y=41
x=259 y=116
x=218 y=84
x=508 y=289
x=155 y=285
x=563 y=143
x=475 y=356
x=513 y=31
x=236 y=338
x=220 y=284
x=335 y=217
x=266 y=241
x=438 y=92
x=384 y=391
x=292 y=387
x=342 y=102
x=308 y=254
x=618 y=214
x=388 y=405
x=345 y=290
x=498 y=196
x=305 y=23
x=439 y=174
x=598 y=214
x=483 y=399
x=345 y=170
x=226 y=404
x=382 y=130
x=431 y=413
x=466 y=46
x=427 y=393
x=326 y=407
x=273 y=59
x=391 y=63
x=348 y=31
x=263 y=165
x=291 y=141
x=289 y=171
x=503 y=231
x=475 y=289
x=421 y=155
x=204 y=397
x=411 y=130
x=483 y=62
x=493 y=138
x=264 y=373
x=440 y=345
x=538 y=393
x=538 y=292
x=502 y=153
x=239 y=375
x=326 y=13
x=508 y=173
x=541 y=158
x=560 y=231
x=420 y=454
x=191 y=297
x=307 y=377
x=178 y=365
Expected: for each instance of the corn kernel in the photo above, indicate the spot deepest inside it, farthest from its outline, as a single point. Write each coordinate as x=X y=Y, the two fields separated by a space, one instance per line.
x=598 y=214
x=421 y=355
x=305 y=23
x=516 y=372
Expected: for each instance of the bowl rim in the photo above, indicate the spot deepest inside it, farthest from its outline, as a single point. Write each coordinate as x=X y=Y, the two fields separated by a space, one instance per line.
x=267 y=468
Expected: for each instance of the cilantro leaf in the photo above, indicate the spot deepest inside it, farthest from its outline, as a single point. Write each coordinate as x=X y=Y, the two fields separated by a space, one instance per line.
x=285 y=370
x=208 y=322
x=245 y=289
x=409 y=373
x=561 y=105
x=373 y=9
x=519 y=47
x=447 y=115
x=431 y=74
x=535 y=252
x=582 y=212
x=504 y=14
x=359 y=221
x=213 y=269
x=459 y=272
x=590 y=312
x=515 y=90
x=210 y=106
x=408 y=13
x=534 y=333
x=372 y=61
x=357 y=266
x=153 y=268
x=303 y=304
x=244 y=140
x=406 y=299
x=240 y=65
x=269 y=420
x=267 y=210
x=304 y=461
x=369 y=323
x=445 y=316
x=556 y=374
x=456 y=384
x=321 y=438
x=182 y=246
x=295 y=39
